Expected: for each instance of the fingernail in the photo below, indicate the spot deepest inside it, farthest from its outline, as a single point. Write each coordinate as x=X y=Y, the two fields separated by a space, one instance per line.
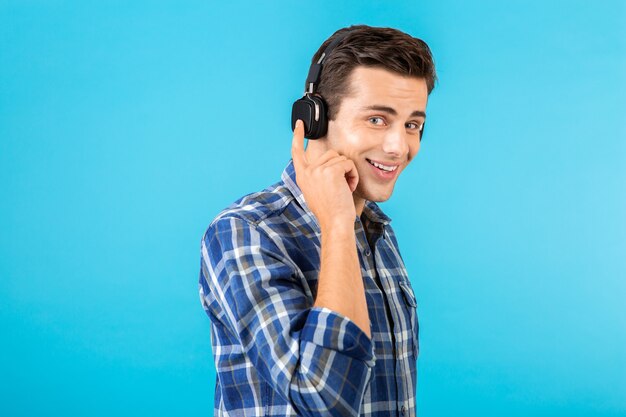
x=298 y=123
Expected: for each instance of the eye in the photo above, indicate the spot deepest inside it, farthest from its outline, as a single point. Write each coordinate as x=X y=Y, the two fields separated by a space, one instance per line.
x=378 y=121
x=414 y=126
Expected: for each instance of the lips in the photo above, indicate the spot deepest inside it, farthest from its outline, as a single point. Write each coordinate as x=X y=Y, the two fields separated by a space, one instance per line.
x=380 y=172
x=384 y=166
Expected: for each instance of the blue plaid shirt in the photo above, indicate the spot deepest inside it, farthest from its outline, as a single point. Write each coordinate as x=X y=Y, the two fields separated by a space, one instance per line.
x=277 y=355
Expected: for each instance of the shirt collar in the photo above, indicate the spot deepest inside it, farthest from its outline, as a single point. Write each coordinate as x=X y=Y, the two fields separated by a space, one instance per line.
x=370 y=210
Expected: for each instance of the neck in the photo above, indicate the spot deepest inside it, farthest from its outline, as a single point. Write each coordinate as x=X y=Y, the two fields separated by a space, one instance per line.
x=359 y=203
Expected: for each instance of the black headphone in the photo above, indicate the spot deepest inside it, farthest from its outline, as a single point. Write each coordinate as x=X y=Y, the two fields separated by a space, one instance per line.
x=312 y=109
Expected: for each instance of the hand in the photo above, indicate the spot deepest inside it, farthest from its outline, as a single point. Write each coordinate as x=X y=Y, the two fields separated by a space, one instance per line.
x=327 y=183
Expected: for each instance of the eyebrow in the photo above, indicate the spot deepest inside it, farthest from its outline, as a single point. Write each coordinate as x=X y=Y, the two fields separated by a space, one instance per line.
x=392 y=111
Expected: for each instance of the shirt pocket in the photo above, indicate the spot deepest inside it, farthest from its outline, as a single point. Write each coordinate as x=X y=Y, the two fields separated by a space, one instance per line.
x=411 y=302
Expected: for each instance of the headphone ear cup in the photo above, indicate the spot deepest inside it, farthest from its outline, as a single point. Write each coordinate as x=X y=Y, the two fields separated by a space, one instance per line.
x=303 y=109
x=311 y=110
x=319 y=127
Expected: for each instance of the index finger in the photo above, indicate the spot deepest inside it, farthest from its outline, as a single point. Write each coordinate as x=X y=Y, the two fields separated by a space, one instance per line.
x=297 y=145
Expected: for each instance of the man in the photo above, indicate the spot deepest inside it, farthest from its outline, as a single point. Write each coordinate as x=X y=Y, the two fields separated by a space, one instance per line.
x=312 y=312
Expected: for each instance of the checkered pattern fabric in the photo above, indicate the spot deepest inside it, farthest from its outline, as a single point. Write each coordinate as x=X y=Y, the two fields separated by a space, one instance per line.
x=276 y=354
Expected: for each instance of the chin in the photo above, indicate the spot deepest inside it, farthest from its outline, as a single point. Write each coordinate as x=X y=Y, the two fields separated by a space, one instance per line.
x=380 y=199
x=376 y=197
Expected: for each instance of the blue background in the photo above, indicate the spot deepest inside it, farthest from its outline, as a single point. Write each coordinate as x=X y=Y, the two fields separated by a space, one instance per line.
x=126 y=126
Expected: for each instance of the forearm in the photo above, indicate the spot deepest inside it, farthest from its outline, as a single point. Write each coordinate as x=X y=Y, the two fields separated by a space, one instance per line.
x=340 y=284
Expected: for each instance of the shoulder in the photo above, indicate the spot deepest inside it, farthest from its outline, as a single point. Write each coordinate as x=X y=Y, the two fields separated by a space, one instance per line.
x=270 y=222
x=253 y=208
x=253 y=211
x=256 y=229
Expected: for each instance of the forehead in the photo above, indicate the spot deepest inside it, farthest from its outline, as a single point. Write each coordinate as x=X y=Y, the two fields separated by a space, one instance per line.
x=377 y=86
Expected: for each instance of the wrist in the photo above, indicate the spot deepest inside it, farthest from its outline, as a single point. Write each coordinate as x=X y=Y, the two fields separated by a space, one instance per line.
x=337 y=229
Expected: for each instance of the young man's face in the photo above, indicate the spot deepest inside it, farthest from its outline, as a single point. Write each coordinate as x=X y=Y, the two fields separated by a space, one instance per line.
x=379 y=122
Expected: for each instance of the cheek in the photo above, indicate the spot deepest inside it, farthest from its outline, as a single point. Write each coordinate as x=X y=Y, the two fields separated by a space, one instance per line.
x=414 y=149
x=355 y=140
x=350 y=139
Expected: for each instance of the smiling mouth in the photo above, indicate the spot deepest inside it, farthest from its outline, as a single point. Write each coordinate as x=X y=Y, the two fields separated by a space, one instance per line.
x=383 y=167
x=383 y=172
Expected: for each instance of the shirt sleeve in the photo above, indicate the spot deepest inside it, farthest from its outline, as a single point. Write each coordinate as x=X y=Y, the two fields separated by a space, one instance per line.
x=318 y=360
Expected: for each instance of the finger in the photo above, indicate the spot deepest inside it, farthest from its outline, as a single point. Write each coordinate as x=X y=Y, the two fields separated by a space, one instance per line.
x=328 y=159
x=351 y=174
x=324 y=158
x=297 y=146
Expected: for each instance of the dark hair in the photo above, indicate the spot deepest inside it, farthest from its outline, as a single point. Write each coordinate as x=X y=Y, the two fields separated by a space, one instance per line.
x=369 y=46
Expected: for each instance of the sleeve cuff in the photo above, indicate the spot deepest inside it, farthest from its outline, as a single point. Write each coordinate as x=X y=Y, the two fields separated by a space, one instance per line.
x=331 y=330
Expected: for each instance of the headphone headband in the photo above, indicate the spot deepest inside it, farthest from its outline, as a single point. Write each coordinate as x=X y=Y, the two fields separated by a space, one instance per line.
x=316 y=68
x=311 y=109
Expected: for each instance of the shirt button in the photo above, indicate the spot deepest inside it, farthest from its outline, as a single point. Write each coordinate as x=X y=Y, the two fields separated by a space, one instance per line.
x=367 y=252
x=402 y=410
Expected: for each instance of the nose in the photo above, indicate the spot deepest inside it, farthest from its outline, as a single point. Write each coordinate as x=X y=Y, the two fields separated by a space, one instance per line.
x=396 y=143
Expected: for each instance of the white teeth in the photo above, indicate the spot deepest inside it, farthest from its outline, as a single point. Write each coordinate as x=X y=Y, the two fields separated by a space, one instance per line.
x=383 y=167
